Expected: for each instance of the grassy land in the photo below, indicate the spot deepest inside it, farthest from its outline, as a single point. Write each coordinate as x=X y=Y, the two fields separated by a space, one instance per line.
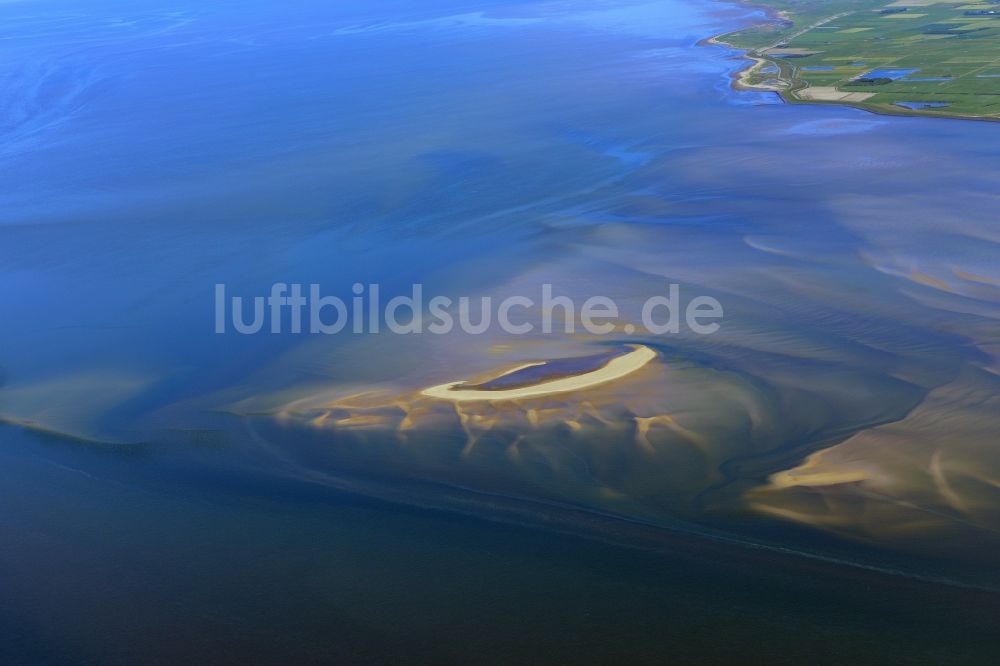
x=855 y=52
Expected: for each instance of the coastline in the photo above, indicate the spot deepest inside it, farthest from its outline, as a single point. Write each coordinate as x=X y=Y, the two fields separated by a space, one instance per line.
x=790 y=86
x=740 y=78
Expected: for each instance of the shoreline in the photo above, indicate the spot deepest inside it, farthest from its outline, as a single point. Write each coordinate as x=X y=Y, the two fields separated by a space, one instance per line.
x=739 y=79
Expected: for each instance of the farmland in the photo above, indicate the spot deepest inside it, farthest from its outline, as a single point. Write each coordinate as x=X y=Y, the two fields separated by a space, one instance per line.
x=926 y=57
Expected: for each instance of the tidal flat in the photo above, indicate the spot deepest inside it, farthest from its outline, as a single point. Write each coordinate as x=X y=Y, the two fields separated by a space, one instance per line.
x=817 y=477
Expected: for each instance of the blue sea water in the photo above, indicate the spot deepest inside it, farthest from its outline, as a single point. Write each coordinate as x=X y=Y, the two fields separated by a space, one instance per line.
x=150 y=150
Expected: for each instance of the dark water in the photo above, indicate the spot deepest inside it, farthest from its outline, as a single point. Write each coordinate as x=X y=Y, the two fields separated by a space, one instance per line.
x=118 y=556
x=154 y=507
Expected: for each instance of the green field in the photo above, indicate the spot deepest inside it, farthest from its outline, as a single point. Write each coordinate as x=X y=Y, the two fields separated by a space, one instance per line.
x=858 y=52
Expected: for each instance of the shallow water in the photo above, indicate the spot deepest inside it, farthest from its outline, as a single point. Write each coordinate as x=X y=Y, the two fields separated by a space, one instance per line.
x=846 y=409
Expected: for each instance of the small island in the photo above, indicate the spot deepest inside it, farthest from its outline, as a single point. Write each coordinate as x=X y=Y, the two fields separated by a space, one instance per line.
x=922 y=57
x=533 y=385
